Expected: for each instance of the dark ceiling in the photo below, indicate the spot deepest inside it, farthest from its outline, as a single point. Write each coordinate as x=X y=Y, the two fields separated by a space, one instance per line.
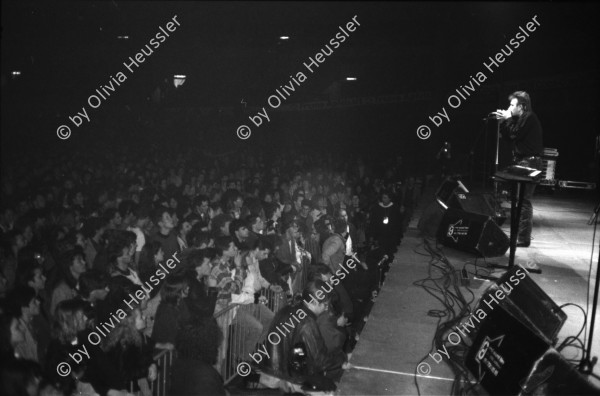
x=231 y=50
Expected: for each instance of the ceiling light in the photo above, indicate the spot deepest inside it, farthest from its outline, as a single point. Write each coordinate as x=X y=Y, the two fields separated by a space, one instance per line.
x=178 y=80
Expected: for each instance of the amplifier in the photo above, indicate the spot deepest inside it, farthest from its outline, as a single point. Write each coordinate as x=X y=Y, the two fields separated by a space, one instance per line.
x=576 y=184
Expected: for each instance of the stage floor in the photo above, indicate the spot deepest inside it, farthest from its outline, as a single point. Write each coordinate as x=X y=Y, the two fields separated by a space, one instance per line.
x=399 y=332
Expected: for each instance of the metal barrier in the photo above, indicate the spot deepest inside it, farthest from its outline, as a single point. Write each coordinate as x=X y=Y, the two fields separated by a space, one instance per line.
x=275 y=300
x=243 y=326
x=159 y=387
x=235 y=345
x=163 y=360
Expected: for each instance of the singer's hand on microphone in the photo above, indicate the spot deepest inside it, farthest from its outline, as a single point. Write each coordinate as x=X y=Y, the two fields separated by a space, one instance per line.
x=502 y=114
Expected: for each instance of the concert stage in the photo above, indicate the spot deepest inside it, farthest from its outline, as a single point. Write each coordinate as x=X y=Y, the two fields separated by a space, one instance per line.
x=399 y=333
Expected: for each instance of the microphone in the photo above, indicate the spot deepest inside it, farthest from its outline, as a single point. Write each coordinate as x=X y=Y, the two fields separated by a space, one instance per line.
x=490 y=115
x=383 y=259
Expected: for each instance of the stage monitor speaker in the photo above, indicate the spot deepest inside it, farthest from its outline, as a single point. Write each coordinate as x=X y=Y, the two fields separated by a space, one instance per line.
x=527 y=302
x=448 y=187
x=503 y=352
x=483 y=204
x=430 y=219
x=516 y=323
x=472 y=232
x=552 y=374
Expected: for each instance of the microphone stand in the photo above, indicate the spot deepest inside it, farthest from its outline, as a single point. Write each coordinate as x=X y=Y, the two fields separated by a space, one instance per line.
x=496 y=163
x=485 y=153
x=472 y=152
x=496 y=160
x=586 y=366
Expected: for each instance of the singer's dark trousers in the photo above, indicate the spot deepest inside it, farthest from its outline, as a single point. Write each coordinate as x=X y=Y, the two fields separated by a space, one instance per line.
x=526 y=220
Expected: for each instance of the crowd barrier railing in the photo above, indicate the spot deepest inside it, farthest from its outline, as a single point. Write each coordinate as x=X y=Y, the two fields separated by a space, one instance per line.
x=233 y=349
x=159 y=387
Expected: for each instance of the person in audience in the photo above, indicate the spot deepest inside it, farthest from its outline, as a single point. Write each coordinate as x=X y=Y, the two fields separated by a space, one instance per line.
x=72 y=266
x=334 y=247
x=150 y=258
x=273 y=213
x=11 y=334
x=385 y=223
x=235 y=206
x=92 y=231
x=257 y=225
x=140 y=219
x=24 y=301
x=17 y=242
x=241 y=235
x=31 y=273
x=201 y=208
x=229 y=277
x=165 y=234
x=254 y=280
x=223 y=276
x=220 y=225
x=113 y=219
x=20 y=377
x=104 y=202
x=290 y=253
x=192 y=372
x=93 y=289
x=90 y=375
x=273 y=270
x=183 y=230
x=121 y=255
x=199 y=237
x=171 y=312
x=131 y=351
x=283 y=366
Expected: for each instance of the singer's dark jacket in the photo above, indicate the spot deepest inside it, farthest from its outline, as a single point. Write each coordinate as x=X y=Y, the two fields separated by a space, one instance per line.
x=527 y=139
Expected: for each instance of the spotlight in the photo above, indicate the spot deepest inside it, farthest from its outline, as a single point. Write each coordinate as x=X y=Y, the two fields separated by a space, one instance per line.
x=178 y=80
x=284 y=37
x=351 y=78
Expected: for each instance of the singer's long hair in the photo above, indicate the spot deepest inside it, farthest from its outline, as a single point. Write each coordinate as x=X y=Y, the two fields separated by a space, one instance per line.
x=524 y=100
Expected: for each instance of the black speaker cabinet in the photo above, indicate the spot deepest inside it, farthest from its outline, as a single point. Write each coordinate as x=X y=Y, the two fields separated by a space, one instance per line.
x=503 y=352
x=472 y=232
x=430 y=220
x=483 y=204
x=448 y=187
x=527 y=302
x=552 y=374
x=517 y=326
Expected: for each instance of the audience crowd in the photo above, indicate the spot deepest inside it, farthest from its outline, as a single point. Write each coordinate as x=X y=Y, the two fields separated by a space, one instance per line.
x=108 y=259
